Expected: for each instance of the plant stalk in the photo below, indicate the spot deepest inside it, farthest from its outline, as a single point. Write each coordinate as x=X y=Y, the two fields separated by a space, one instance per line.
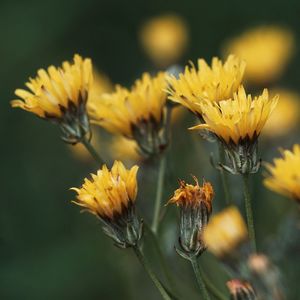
x=249 y=212
x=151 y=274
x=224 y=176
x=87 y=144
x=204 y=293
x=159 y=192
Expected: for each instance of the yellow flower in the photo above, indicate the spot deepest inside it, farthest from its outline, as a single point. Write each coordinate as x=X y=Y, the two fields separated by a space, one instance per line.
x=239 y=118
x=284 y=174
x=53 y=91
x=193 y=195
x=123 y=110
x=124 y=149
x=265 y=49
x=214 y=83
x=164 y=38
x=285 y=116
x=225 y=231
x=110 y=192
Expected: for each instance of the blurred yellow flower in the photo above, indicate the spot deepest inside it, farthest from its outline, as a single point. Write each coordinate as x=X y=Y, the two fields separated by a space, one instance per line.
x=110 y=192
x=189 y=195
x=286 y=114
x=56 y=90
x=266 y=50
x=124 y=149
x=242 y=117
x=225 y=231
x=284 y=174
x=101 y=85
x=164 y=39
x=119 y=112
x=214 y=83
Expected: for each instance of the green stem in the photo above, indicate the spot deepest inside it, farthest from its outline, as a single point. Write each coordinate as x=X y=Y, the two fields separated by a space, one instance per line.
x=151 y=274
x=161 y=257
x=159 y=192
x=223 y=175
x=92 y=151
x=249 y=212
x=211 y=287
x=200 y=282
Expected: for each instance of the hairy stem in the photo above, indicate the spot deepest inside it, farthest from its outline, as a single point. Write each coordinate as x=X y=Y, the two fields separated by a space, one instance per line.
x=200 y=282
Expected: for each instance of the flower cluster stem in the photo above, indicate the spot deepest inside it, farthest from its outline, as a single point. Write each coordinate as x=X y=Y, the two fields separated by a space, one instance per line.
x=249 y=213
x=87 y=144
x=159 y=193
x=151 y=274
x=224 y=175
x=199 y=278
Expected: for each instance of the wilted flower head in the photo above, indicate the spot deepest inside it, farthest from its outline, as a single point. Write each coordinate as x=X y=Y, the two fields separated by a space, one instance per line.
x=284 y=174
x=110 y=195
x=285 y=116
x=213 y=83
x=137 y=113
x=195 y=203
x=266 y=50
x=241 y=290
x=164 y=38
x=225 y=232
x=237 y=123
x=193 y=195
x=60 y=95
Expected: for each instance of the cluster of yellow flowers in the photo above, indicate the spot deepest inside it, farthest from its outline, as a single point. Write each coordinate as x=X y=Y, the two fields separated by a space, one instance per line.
x=140 y=118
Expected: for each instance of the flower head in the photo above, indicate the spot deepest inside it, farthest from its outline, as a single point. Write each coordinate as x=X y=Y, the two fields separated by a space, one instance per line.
x=53 y=91
x=225 y=231
x=285 y=116
x=266 y=50
x=239 y=118
x=193 y=195
x=109 y=192
x=110 y=195
x=60 y=95
x=195 y=203
x=284 y=174
x=164 y=38
x=241 y=290
x=214 y=83
x=137 y=113
x=237 y=123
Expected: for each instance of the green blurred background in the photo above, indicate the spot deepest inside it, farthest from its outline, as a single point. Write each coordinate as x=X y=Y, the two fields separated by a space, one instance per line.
x=48 y=250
